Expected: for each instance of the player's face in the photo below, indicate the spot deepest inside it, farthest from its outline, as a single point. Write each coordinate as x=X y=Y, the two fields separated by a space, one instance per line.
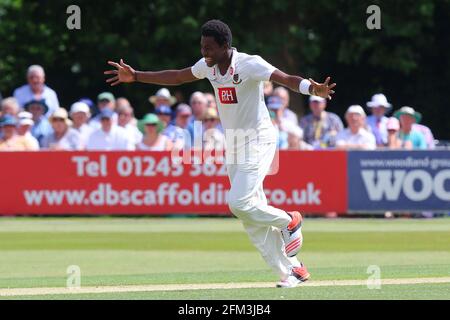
x=212 y=51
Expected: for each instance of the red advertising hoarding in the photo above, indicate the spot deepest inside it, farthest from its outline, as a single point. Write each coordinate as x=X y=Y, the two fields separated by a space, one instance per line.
x=151 y=183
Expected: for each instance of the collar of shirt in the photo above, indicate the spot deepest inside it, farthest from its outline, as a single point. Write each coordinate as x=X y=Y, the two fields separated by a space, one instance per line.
x=230 y=71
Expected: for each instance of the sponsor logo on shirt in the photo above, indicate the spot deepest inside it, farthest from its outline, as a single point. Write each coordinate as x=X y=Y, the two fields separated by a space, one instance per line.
x=227 y=95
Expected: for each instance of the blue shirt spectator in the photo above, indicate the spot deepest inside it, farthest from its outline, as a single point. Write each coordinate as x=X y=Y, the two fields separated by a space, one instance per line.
x=41 y=127
x=320 y=127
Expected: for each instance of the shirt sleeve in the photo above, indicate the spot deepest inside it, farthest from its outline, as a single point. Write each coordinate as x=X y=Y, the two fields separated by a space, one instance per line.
x=200 y=69
x=260 y=69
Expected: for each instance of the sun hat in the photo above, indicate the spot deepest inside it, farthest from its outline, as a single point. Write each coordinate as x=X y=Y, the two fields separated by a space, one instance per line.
x=8 y=120
x=61 y=113
x=39 y=102
x=316 y=99
x=393 y=124
x=162 y=93
x=356 y=109
x=378 y=100
x=106 y=96
x=410 y=112
x=150 y=118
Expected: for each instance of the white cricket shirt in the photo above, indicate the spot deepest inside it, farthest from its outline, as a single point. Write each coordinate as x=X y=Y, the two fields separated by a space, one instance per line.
x=240 y=97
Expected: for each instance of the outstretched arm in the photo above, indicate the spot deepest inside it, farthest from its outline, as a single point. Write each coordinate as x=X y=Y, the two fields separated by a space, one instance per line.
x=125 y=73
x=323 y=90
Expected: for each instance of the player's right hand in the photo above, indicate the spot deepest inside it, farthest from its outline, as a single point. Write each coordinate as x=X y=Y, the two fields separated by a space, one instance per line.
x=123 y=73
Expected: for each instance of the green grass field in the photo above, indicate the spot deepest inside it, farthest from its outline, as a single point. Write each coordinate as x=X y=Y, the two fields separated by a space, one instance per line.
x=36 y=252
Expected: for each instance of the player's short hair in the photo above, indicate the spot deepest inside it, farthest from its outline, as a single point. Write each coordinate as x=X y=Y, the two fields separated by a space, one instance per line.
x=219 y=31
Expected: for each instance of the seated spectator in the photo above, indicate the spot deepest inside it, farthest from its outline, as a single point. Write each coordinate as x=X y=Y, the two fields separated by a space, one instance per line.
x=429 y=138
x=109 y=137
x=162 y=97
x=153 y=139
x=411 y=139
x=213 y=138
x=24 y=129
x=80 y=114
x=63 y=136
x=9 y=106
x=164 y=114
x=295 y=138
x=355 y=136
x=105 y=100
x=36 y=89
x=320 y=127
x=10 y=140
x=198 y=105
x=178 y=131
x=127 y=121
x=287 y=114
x=377 y=121
x=275 y=106
x=393 y=126
x=41 y=127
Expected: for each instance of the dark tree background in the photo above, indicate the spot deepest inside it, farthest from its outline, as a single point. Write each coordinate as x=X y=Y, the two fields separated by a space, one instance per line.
x=407 y=59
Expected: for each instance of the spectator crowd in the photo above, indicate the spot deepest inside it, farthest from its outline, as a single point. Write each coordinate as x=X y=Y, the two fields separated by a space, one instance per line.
x=32 y=119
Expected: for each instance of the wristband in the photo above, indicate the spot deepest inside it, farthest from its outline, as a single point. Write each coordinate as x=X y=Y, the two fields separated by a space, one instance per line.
x=304 y=86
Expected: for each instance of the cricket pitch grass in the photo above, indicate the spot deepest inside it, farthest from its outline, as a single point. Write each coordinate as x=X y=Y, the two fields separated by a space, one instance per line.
x=205 y=258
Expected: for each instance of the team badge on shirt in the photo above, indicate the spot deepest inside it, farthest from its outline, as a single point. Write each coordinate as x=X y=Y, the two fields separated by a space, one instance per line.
x=236 y=79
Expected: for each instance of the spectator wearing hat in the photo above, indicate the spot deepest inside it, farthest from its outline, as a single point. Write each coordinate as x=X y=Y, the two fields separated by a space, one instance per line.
x=127 y=120
x=275 y=106
x=153 y=139
x=80 y=114
x=355 y=136
x=63 y=136
x=10 y=140
x=393 y=127
x=162 y=97
x=287 y=114
x=105 y=100
x=109 y=137
x=41 y=127
x=295 y=138
x=36 y=89
x=164 y=113
x=213 y=138
x=411 y=138
x=25 y=124
x=178 y=131
x=320 y=127
x=377 y=121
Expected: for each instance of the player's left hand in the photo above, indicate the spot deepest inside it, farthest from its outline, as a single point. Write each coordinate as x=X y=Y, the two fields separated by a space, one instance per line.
x=323 y=90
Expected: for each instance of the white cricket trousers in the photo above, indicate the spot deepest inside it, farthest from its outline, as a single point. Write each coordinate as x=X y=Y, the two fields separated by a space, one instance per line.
x=248 y=202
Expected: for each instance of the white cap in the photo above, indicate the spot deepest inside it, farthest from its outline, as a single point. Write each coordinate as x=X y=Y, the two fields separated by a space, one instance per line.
x=378 y=100
x=393 y=124
x=25 y=118
x=79 y=107
x=316 y=99
x=356 y=109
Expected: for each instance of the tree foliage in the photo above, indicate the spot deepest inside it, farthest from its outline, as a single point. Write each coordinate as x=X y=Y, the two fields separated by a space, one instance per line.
x=407 y=59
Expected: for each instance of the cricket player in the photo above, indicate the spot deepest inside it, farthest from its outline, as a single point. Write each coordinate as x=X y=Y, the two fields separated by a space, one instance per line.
x=237 y=79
